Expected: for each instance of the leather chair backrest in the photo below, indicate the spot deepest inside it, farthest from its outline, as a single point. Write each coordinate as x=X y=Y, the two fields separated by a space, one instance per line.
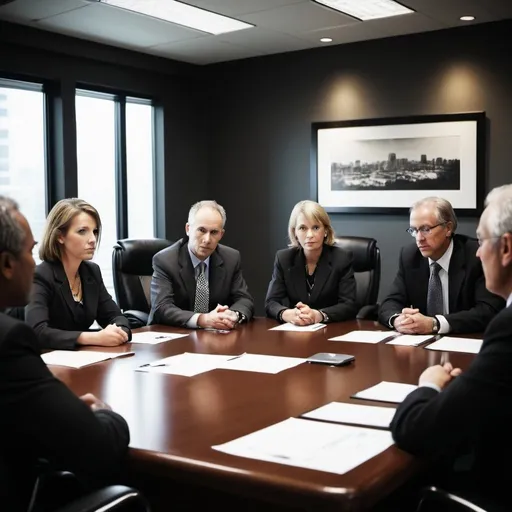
x=132 y=263
x=366 y=264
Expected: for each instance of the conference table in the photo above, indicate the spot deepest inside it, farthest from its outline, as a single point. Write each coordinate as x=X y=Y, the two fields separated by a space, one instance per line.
x=175 y=420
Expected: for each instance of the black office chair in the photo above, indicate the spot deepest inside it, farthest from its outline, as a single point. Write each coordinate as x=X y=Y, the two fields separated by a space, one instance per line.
x=366 y=263
x=434 y=499
x=132 y=265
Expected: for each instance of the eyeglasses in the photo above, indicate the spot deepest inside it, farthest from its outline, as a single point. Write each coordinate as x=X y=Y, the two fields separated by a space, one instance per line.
x=424 y=230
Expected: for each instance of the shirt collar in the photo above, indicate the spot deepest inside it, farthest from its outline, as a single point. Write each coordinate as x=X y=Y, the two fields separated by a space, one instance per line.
x=444 y=260
x=509 y=300
x=195 y=260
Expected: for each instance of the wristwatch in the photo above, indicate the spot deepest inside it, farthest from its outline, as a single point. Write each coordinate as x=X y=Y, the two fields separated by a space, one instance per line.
x=326 y=318
x=435 y=324
x=240 y=317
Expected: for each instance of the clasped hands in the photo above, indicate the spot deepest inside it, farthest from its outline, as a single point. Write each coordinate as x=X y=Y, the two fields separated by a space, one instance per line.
x=221 y=318
x=302 y=314
x=411 y=321
x=440 y=375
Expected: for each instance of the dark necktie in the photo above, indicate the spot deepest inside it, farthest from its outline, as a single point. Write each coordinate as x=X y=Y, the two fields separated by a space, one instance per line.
x=435 y=291
x=202 y=299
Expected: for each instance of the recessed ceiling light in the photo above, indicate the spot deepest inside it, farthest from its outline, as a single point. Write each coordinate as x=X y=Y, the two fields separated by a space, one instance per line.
x=182 y=14
x=467 y=18
x=326 y=40
x=367 y=9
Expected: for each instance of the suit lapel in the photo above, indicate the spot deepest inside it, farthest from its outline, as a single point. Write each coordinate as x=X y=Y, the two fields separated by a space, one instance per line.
x=90 y=288
x=187 y=274
x=64 y=289
x=298 y=277
x=323 y=271
x=216 y=278
x=456 y=275
x=420 y=275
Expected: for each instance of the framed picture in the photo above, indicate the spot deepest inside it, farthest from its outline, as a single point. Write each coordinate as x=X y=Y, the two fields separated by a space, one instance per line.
x=385 y=165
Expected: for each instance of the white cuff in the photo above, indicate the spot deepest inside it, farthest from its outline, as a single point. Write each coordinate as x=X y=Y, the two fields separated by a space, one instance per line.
x=192 y=323
x=444 y=326
x=431 y=385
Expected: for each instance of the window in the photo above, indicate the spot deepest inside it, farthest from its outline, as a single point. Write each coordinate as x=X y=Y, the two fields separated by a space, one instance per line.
x=115 y=168
x=96 y=158
x=139 y=168
x=22 y=152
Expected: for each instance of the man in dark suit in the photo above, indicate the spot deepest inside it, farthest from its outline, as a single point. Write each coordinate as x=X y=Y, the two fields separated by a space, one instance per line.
x=455 y=413
x=41 y=418
x=197 y=282
x=440 y=286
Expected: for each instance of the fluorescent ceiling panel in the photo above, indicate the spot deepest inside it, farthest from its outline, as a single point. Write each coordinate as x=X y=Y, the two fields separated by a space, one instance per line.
x=182 y=14
x=367 y=9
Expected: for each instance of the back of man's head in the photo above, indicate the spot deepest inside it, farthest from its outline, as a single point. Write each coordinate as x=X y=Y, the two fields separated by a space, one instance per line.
x=15 y=268
x=499 y=215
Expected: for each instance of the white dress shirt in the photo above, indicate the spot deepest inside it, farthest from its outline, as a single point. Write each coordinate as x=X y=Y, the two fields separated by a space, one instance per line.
x=444 y=263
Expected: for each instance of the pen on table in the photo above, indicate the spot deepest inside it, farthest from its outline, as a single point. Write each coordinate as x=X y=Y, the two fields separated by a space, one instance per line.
x=151 y=365
x=236 y=357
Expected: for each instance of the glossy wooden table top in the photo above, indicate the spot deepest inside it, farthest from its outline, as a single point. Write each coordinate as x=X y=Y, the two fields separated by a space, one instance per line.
x=175 y=420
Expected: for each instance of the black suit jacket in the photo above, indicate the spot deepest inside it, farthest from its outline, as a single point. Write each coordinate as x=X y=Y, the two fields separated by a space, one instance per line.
x=471 y=305
x=57 y=319
x=173 y=285
x=335 y=286
x=473 y=411
x=41 y=418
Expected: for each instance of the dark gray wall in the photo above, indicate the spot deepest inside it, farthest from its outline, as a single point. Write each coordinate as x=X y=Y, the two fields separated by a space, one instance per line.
x=176 y=87
x=262 y=110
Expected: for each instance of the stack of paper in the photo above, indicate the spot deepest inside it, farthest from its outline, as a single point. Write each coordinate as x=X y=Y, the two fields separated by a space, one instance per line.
x=298 y=328
x=311 y=444
x=365 y=336
x=79 y=358
x=190 y=364
x=450 y=344
x=386 y=392
x=261 y=363
x=410 y=340
x=154 y=337
x=368 y=415
x=187 y=364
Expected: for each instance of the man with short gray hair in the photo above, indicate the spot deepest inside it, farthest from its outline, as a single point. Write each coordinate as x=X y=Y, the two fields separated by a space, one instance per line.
x=440 y=286
x=41 y=418
x=198 y=282
x=454 y=413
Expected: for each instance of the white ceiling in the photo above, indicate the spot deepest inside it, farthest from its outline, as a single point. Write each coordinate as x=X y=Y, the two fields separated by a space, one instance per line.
x=280 y=25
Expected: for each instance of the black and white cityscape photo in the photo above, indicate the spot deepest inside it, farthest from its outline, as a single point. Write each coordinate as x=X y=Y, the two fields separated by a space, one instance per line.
x=417 y=163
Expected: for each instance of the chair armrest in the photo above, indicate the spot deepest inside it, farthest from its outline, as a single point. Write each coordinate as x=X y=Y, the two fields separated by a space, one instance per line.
x=368 y=312
x=114 y=497
x=435 y=499
x=136 y=318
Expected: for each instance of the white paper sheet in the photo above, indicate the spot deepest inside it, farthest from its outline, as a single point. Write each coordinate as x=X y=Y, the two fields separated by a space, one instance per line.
x=364 y=336
x=298 y=328
x=187 y=364
x=261 y=363
x=410 y=340
x=386 y=392
x=451 y=344
x=311 y=444
x=79 y=358
x=368 y=415
x=154 y=337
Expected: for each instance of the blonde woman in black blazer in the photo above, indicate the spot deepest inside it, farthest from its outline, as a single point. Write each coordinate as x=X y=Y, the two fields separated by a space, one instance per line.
x=313 y=280
x=68 y=294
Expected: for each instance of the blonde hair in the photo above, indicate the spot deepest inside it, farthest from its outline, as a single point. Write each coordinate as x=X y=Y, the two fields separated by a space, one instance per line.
x=313 y=212
x=57 y=225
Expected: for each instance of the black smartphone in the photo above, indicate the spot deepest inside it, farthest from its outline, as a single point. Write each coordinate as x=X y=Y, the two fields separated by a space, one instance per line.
x=330 y=358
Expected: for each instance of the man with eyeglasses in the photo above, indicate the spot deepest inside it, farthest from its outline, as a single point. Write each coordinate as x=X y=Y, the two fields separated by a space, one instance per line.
x=454 y=413
x=440 y=286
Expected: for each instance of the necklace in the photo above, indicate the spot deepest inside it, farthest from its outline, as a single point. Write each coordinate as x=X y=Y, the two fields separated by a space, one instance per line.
x=76 y=295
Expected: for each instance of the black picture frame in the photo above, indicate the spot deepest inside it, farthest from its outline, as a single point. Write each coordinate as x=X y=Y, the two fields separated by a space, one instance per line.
x=429 y=155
